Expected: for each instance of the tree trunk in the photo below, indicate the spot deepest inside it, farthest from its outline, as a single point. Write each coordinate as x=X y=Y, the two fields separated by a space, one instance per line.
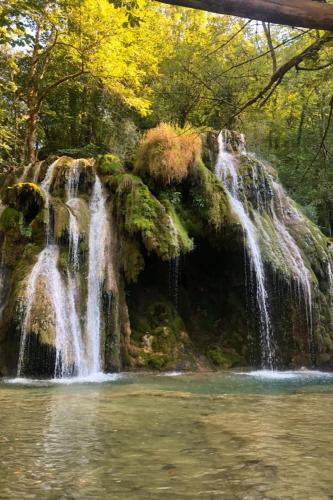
x=303 y=13
x=31 y=137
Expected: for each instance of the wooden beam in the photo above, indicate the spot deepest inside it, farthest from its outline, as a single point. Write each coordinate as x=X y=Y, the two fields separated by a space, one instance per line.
x=301 y=13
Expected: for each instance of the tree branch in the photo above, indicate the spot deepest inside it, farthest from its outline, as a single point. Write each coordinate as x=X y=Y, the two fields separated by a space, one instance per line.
x=303 y=13
x=55 y=84
x=278 y=76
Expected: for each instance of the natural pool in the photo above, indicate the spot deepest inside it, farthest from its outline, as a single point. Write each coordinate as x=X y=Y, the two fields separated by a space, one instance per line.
x=213 y=435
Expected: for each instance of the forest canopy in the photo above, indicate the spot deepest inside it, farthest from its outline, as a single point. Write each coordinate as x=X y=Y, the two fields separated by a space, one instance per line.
x=82 y=77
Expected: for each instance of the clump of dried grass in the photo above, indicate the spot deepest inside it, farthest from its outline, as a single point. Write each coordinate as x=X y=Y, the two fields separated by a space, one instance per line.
x=166 y=153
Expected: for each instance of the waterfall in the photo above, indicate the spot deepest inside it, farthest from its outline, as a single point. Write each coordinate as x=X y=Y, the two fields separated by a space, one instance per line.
x=99 y=240
x=174 y=267
x=225 y=170
x=74 y=231
x=75 y=353
x=46 y=185
x=330 y=278
x=68 y=344
x=174 y=279
x=292 y=254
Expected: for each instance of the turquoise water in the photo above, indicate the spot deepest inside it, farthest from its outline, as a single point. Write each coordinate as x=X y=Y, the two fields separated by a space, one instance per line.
x=213 y=435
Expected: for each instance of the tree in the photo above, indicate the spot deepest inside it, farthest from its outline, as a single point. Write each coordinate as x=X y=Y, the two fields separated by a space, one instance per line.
x=63 y=40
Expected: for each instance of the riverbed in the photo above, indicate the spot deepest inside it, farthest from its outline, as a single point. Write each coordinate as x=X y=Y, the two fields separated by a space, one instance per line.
x=254 y=435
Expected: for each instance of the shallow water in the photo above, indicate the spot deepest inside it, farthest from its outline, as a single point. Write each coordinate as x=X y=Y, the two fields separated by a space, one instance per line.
x=234 y=435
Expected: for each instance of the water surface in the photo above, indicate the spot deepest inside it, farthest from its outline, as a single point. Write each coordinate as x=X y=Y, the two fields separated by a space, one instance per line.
x=218 y=435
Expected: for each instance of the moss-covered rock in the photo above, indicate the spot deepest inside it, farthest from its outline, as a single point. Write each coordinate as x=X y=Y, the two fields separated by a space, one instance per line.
x=223 y=359
x=10 y=219
x=209 y=197
x=62 y=171
x=138 y=211
x=110 y=165
x=26 y=197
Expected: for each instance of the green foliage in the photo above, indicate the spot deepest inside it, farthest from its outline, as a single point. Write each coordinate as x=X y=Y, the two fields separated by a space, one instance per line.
x=88 y=151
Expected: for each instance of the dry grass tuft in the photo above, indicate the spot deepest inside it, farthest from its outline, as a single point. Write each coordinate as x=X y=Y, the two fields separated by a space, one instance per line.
x=166 y=153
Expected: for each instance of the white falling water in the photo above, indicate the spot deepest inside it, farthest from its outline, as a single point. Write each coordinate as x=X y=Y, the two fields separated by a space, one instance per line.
x=74 y=237
x=45 y=185
x=74 y=232
x=292 y=254
x=225 y=170
x=68 y=341
x=174 y=267
x=330 y=279
x=70 y=352
x=99 y=236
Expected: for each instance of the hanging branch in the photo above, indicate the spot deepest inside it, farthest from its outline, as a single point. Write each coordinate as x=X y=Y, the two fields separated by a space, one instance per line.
x=278 y=76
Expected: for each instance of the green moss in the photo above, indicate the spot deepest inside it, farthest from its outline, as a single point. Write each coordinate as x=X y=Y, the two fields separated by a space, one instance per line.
x=132 y=259
x=110 y=165
x=61 y=173
x=138 y=211
x=13 y=224
x=209 y=197
x=223 y=359
x=185 y=243
x=155 y=361
x=25 y=197
x=10 y=219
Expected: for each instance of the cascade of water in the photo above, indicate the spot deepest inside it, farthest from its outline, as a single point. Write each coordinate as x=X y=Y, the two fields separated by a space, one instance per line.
x=174 y=279
x=45 y=185
x=225 y=170
x=99 y=241
x=292 y=255
x=74 y=232
x=70 y=356
x=68 y=343
x=174 y=268
x=74 y=237
x=330 y=278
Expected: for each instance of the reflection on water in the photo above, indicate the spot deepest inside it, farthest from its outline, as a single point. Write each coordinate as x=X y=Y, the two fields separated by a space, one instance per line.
x=208 y=436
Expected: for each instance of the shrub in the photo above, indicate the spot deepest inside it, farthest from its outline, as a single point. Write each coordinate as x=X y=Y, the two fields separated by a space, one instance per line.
x=166 y=153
